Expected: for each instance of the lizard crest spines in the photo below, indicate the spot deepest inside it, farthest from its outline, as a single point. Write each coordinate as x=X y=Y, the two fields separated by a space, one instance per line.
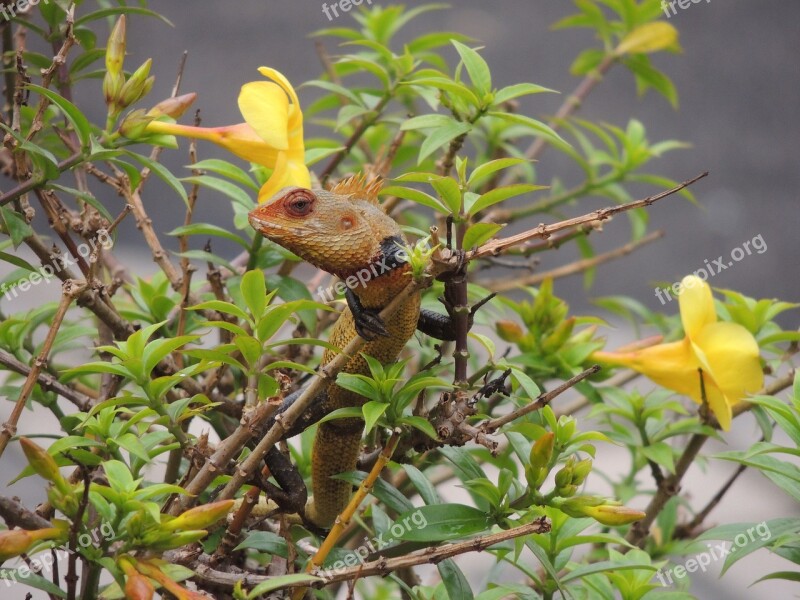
x=358 y=187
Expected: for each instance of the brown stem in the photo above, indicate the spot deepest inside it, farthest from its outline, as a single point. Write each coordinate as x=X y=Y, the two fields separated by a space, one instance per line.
x=47 y=382
x=541 y=401
x=383 y=566
x=578 y=266
x=71 y=289
x=671 y=485
x=497 y=246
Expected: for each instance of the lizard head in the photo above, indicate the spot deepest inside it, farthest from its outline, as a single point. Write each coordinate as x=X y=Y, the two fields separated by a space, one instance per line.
x=338 y=232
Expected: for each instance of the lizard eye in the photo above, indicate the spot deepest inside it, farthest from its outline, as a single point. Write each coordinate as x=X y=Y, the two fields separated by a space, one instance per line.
x=299 y=203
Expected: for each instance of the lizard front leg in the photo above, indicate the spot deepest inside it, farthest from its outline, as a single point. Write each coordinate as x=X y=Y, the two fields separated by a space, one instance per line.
x=367 y=322
x=441 y=326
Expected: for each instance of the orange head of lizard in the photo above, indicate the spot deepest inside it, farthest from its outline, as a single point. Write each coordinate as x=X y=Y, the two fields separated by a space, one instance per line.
x=339 y=233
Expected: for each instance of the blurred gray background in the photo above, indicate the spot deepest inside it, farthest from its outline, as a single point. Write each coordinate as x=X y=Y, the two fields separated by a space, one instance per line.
x=739 y=86
x=738 y=82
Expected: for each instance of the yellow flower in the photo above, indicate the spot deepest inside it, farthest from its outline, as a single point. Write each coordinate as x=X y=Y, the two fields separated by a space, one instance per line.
x=272 y=134
x=726 y=353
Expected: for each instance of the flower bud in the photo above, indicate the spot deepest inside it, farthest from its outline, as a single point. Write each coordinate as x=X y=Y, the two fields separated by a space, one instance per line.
x=17 y=541
x=137 y=86
x=600 y=510
x=167 y=540
x=115 y=49
x=137 y=586
x=13 y=543
x=173 y=107
x=40 y=460
x=133 y=126
x=581 y=470
x=180 y=592
x=200 y=516
x=614 y=515
x=112 y=86
x=539 y=461
x=564 y=476
x=509 y=331
x=576 y=507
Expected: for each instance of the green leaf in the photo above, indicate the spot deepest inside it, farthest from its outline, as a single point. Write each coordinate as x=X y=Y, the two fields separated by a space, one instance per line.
x=425 y=122
x=15 y=226
x=265 y=541
x=426 y=489
x=85 y=196
x=208 y=229
x=500 y=194
x=119 y=476
x=337 y=89
x=476 y=66
x=448 y=190
x=415 y=196
x=372 y=411
x=517 y=90
x=480 y=233
x=661 y=454
x=162 y=173
x=254 y=292
x=223 y=307
x=275 y=583
x=454 y=580
x=382 y=490
x=441 y=136
x=445 y=522
x=459 y=90
x=230 y=190
x=532 y=124
x=226 y=169
x=787 y=575
x=120 y=10
x=603 y=566
x=348 y=412
x=33 y=580
x=17 y=261
x=420 y=423
x=79 y=122
x=204 y=256
x=491 y=167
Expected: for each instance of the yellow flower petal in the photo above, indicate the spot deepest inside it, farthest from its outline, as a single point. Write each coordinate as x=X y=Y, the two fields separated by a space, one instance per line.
x=265 y=107
x=730 y=355
x=673 y=366
x=281 y=80
x=240 y=139
x=696 y=304
x=718 y=403
x=276 y=181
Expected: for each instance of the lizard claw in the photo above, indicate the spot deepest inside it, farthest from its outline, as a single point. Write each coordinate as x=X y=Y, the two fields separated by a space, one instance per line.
x=369 y=325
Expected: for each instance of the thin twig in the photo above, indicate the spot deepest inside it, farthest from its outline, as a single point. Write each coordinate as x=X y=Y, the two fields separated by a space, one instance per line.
x=497 y=246
x=382 y=566
x=671 y=485
x=541 y=401
x=71 y=289
x=578 y=266
x=343 y=520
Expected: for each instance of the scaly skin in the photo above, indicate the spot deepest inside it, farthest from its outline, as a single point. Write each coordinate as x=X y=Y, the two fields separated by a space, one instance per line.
x=343 y=231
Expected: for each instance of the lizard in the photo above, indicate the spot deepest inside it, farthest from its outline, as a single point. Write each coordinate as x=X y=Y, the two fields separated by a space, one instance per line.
x=345 y=232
